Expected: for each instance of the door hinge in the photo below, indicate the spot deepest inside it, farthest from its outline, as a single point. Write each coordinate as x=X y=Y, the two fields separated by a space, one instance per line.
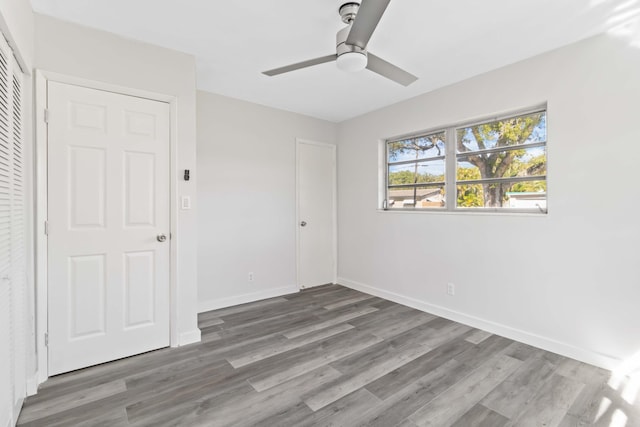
x=46 y=228
x=46 y=115
x=46 y=339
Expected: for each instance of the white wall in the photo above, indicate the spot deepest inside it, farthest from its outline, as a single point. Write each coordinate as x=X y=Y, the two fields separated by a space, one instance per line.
x=96 y=55
x=246 y=196
x=580 y=297
x=17 y=24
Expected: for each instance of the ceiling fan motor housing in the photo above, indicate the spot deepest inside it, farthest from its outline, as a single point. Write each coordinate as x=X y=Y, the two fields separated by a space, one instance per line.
x=350 y=57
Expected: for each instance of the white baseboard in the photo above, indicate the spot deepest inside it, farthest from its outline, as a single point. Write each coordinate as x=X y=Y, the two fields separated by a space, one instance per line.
x=214 y=304
x=564 y=349
x=16 y=410
x=42 y=376
x=32 y=385
x=189 y=337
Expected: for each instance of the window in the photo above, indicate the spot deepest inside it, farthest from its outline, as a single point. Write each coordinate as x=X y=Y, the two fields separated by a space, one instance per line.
x=497 y=165
x=415 y=172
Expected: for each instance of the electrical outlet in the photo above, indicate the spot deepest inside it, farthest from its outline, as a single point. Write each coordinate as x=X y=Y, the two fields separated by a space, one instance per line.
x=451 y=289
x=251 y=277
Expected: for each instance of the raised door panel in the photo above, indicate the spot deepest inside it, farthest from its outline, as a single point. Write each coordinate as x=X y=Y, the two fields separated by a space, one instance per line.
x=139 y=124
x=87 y=117
x=140 y=189
x=140 y=287
x=87 y=296
x=87 y=183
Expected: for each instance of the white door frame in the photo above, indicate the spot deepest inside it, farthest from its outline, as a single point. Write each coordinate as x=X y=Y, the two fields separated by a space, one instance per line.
x=300 y=141
x=41 y=160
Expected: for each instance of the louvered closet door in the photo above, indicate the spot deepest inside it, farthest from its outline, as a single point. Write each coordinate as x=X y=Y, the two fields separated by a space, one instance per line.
x=13 y=304
x=6 y=144
x=18 y=251
x=108 y=210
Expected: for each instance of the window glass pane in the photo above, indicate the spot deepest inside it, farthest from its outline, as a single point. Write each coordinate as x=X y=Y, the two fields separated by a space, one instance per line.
x=503 y=164
x=530 y=128
x=422 y=147
x=418 y=172
x=415 y=197
x=516 y=161
x=521 y=195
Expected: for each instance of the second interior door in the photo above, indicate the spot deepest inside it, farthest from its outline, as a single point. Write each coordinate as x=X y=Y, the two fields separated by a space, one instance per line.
x=316 y=175
x=109 y=222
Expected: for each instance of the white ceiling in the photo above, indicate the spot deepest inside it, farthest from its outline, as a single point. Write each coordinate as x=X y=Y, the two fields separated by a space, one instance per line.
x=440 y=41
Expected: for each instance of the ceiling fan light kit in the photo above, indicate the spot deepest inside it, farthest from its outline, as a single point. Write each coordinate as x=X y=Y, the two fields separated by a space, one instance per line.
x=352 y=61
x=350 y=58
x=351 y=44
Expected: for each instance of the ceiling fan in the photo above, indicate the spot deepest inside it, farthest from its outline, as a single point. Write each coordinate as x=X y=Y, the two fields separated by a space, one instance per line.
x=351 y=44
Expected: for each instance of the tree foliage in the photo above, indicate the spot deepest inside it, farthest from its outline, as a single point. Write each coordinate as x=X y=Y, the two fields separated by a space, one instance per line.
x=405 y=177
x=469 y=196
x=417 y=146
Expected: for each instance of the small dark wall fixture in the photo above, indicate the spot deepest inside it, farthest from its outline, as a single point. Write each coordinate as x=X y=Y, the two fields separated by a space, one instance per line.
x=186 y=174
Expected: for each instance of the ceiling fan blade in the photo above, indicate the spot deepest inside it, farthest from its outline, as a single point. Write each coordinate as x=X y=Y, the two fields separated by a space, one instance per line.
x=299 y=65
x=366 y=21
x=390 y=71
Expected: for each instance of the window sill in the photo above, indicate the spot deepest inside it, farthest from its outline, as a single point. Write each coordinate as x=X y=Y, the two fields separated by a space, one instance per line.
x=518 y=213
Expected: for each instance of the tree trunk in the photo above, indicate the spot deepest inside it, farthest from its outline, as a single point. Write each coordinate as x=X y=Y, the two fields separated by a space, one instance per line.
x=493 y=195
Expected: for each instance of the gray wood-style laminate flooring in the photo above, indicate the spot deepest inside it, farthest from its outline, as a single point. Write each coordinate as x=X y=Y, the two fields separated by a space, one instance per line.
x=332 y=356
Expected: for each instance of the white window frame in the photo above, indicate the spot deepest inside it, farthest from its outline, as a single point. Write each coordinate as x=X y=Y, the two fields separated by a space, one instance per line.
x=451 y=162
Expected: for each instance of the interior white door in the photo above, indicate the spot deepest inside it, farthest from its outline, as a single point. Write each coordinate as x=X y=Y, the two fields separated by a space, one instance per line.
x=316 y=187
x=109 y=206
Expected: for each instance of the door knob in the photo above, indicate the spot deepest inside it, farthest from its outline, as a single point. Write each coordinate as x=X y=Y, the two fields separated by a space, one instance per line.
x=303 y=224
x=161 y=238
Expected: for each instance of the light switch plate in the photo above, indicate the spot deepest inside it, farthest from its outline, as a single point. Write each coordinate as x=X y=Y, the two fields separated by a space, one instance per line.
x=185 y=202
